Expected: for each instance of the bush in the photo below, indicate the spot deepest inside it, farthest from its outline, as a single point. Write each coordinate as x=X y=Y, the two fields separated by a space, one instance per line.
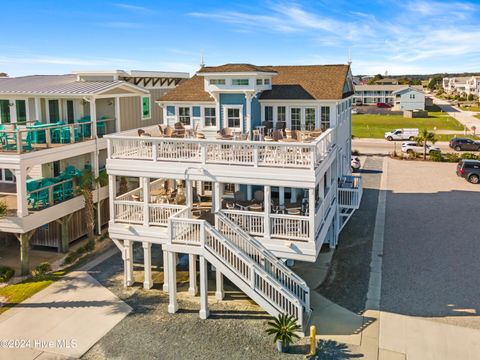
x=469 y=156
x=42 y=269
x=436 y=156
x=451 y=157
x=74 y=255
x=6 y=273
x=89 y=246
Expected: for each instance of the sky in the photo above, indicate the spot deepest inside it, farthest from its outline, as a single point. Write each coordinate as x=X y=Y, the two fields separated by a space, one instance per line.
x=401 y=37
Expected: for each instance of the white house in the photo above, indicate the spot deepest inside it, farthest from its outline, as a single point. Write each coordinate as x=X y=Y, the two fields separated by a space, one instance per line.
x=373 y=94
x=409 y=98
x=455 y=84
x=274 y=183
x=52 y=128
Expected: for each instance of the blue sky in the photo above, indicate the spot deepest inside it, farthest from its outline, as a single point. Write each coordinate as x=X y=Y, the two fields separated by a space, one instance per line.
x=57 y=36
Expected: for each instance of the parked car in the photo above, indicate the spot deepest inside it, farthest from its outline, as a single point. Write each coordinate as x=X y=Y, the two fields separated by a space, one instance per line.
x=460 y=144
x=469 y=170
x=354 y=111
x=412 y=147
x=355 y=163
x=358 y=102
x=401 y=134
x=384 y=105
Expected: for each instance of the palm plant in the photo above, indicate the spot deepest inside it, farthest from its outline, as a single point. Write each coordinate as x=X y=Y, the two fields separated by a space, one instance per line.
x=284 y=327
x=86 y=185
x=423 y=138
x=3 y=208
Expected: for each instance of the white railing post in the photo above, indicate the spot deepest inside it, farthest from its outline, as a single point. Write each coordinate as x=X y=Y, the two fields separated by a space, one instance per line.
x=267 y=208
x=311 y=213
x=203 y=152
x=154 y=151
x=112 y=193
x=146 y=200
x=255 y=156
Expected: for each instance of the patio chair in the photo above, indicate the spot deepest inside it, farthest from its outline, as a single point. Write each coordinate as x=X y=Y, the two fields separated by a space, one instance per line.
x=161 y=130
x=258 y=196
x=289 y=133
x=168 y=132
x=140 y=132
x=315 y=133
x=239 y=196
x=225 y=134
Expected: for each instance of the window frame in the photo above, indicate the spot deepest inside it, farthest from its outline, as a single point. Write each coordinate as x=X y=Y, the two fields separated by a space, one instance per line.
x=189 y=108
x=237 y=82
x=217 y=82
x=226 y=116
x=322 y=116
x=209 y=116
x=299 y=118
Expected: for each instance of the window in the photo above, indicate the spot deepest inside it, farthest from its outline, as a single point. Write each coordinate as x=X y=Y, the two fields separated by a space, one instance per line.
x=70 y=112
x=233 y=117
x=240 y=82
x=412 y=96
x=309 y=119
x=269 y=114
x=56 y=168
x=324 y=117
x=217 y=81
x=184 y=115
x=146 y=109
x=210 y=117
x=5 y=111
x=21 y=110
x=53 y=111
x=281 y=113
x=295 y=118
x=259 y=81
x=266 y=82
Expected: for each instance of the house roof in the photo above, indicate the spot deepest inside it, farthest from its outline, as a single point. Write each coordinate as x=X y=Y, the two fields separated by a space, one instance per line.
x=309 y=82
x=407 y=88
x=58 y=85
x=234 y=68
x=384 y=87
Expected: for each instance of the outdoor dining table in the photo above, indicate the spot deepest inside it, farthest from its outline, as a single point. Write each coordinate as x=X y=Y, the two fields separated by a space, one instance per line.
x=255 y=207
x=293 y=211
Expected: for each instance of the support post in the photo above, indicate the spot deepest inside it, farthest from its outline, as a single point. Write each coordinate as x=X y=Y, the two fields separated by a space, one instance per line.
x=127 y=263
x=267 y=202
x=189 y=193
x=249 y=192
x=117 y=115
x=293 y=195
x=112 y=193
x=192 y=271
x=219 y=293
x=147 y=265
x=204 y=312
x=165 y=271
x=217 y=201
x=93 y=117
x=172 y=282
x=311 y=214
x=24 y=253
x=281 y=195
x=21 y=187
x=38 y=109
x=146 y=200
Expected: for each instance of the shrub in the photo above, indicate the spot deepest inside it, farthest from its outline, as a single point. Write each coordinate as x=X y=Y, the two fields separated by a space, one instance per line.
x=42 y=269
x=74 y=255
x=284 y=327
x=6 y=273
x=436 y=156
x=451 y=157
x=469 y=156
x=89 y=246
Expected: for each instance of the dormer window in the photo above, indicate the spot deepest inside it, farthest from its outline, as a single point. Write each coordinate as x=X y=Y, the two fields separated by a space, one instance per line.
x=266 y=82
x=240 y=82
x=259 y=82
x=217 y=81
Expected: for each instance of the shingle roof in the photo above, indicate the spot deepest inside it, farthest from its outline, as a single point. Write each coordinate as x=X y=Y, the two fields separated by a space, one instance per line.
x=375 y=87
x=54 y=84
x=189 y=90
x=309 y=82
x=235 y=68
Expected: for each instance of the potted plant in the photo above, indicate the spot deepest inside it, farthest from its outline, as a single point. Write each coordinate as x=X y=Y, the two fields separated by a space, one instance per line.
x=284 y=327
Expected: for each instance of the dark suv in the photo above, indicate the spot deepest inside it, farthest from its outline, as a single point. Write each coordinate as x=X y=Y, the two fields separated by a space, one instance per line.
x=470 y=170
x=460 y=144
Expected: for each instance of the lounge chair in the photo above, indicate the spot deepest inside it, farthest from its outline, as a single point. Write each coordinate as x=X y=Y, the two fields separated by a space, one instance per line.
x=225 y=134
x=239 y=196
x=258 y=196
x=168 y=132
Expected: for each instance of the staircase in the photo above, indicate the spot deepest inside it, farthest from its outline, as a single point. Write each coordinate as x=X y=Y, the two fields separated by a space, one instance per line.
x=350 y=190
x=246 y=263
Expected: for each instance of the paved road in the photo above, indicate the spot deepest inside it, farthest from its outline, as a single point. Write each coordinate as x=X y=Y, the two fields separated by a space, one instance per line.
x=384 y=147
x=467 y=118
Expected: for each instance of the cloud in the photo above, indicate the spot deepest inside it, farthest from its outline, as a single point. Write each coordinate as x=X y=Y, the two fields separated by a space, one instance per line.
x=134 y=8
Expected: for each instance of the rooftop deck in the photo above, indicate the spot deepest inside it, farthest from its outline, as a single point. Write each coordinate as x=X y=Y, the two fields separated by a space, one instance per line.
x=247 y=153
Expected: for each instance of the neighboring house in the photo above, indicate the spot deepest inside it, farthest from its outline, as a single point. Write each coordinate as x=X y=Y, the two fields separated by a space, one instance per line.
x=472 y=86
x=247 y=197
x=455 y=84
x=409 y=98
x=387 y=81
x=373 y=94
x=52 y=129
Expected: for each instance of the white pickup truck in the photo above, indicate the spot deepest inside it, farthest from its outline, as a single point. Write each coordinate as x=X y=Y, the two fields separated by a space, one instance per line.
x=401 y=134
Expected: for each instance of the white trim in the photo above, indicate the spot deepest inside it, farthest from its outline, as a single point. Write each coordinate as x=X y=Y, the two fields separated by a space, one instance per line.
x=225 y=115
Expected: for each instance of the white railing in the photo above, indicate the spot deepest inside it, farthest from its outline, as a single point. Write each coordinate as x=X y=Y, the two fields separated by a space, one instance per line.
x=251 y=221
x=130 y=212
x=160 y=213
x=323 y=209
x=184 y=230
x=263 y=258
x=292 y=227
x=229 y=152
x=350 y=191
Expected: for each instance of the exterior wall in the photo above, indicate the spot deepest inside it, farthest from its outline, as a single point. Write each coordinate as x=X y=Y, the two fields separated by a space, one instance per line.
x=31 y=109
x=404 y=102
x=105 y=107
x=130 y=113
x=232 y=99
x=157 y=112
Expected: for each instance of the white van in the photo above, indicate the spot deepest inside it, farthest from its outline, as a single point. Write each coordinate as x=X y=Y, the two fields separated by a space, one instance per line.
x=401 y=134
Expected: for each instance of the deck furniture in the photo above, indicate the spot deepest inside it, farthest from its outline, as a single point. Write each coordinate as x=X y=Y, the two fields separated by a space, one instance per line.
x=258 y=196
x=239 y=196
x=255 y=207
x=225 y=134
x=168 y=132
x=293 y=211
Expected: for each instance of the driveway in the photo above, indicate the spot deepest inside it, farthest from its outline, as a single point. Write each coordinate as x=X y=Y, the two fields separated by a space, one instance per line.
x=431 y=247
x=467 y=118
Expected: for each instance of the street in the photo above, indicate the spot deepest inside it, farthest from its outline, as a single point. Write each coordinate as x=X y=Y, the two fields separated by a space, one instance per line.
x=384 y=147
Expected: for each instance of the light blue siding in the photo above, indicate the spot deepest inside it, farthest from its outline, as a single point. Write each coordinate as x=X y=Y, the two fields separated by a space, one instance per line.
x=239 y=99
x=256 y=113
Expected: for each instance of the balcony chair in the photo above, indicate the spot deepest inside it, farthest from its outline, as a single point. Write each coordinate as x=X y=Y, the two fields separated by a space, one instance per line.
x=225 y=134
x=259 y=196
x=239 y=196
x=168 y=132
x=101 y=126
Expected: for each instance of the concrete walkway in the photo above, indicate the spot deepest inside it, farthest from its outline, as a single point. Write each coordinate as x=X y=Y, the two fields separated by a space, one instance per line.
x=466 y=118
x=62 y=321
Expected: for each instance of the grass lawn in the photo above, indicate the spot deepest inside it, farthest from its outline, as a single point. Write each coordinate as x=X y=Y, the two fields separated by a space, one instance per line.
x=477 y=116
x=470 y=108
x=375 y=126
x=16 y=293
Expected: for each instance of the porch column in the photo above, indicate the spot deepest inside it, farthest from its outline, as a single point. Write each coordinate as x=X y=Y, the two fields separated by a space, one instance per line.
x=203 y=288
x=267 y=205
x=281 y=195
x=21 y=187
x=189 y=193
x=293 y=195
x=248 y=117
x=65 y=236
x=165 y=271
x=237 y=187
x=24 y=253
x=311 y=213
x=219 y=293
x=147 y=265
x=93 y=117
x=145 y=181
x=249 y=192
x=192 y=275
x=127 y=263
x=117 y=115
x=217 y=201
x=38 y=109
x=112 y=193
x=172 y=281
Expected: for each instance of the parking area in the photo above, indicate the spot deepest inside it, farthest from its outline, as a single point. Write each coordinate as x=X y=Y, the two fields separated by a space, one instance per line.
x=431 y=245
